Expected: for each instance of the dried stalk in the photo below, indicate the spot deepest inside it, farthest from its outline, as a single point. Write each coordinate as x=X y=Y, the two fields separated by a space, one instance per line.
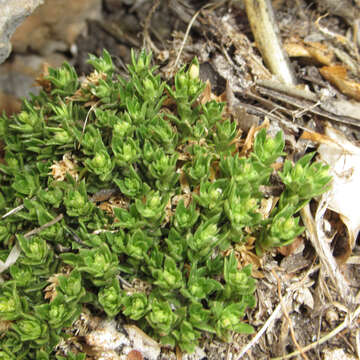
x=146 y=35
x=341 y=111
x=190 y=25
x=266 y=33
x=43 y=227
x=267 y=324
x=283 y=305
x=13 y=211
x=322 y=248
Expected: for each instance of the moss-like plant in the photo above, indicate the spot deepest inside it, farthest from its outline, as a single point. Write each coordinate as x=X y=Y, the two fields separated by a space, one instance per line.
x=130 y=181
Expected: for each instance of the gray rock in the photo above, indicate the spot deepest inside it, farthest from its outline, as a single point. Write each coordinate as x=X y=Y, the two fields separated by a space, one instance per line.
x=13 y=13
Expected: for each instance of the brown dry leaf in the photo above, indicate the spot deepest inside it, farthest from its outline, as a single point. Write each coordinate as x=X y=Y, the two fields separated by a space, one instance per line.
x=50 y=291
x=169 y=101
x=65 y=166
x=41 y=79
x=207 y=95
x=321 y=53
x=296 y=49
x=183 y=153
x=178 y=353
x=134 y=355
x=5 y=325
x=277 y=166
x=91 y=103
x=246 y=255
x=251 y=136
x=168 y=213
x=291 y=249
x=337 y=76
x=244 y=119
x=83 y=94
x=237 y=140
x=184 y=184
x=311 y=50
x=185 y=197
x=213 y=172
x=248 y=141
x=119 y=201
x=223 y=98
x=316 y=137
x=107 y=208
x=115 y=201
x=321 y=244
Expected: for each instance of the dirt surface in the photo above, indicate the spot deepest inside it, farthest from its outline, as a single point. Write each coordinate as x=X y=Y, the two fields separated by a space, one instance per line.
x=304 y=305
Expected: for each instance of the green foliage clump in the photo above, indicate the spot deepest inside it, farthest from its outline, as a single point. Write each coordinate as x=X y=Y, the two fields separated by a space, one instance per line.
x=183 y=196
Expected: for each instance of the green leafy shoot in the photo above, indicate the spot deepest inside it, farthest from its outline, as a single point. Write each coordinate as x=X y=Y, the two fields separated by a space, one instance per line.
x=135 y=207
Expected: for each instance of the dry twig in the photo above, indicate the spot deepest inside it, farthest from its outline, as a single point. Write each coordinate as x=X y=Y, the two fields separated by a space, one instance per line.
x=267 y=324
x=86 y=120
x=341 y=111
x=186 y=36
x=13 y=211
x=43 y=227
x=191 y=23
x=147 y=38
x=287 y=316
x=125 y=282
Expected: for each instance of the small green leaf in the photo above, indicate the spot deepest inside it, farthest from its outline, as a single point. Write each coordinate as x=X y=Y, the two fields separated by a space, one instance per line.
x=10 y=304
x=161 y=317
x=30 y=329
x=136 y=306
x=110 y=298
x=102 y=64
x=170 y=277
x=268 y=149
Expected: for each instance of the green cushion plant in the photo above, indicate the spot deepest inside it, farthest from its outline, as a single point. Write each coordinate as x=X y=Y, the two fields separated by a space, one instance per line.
x=184 y=197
